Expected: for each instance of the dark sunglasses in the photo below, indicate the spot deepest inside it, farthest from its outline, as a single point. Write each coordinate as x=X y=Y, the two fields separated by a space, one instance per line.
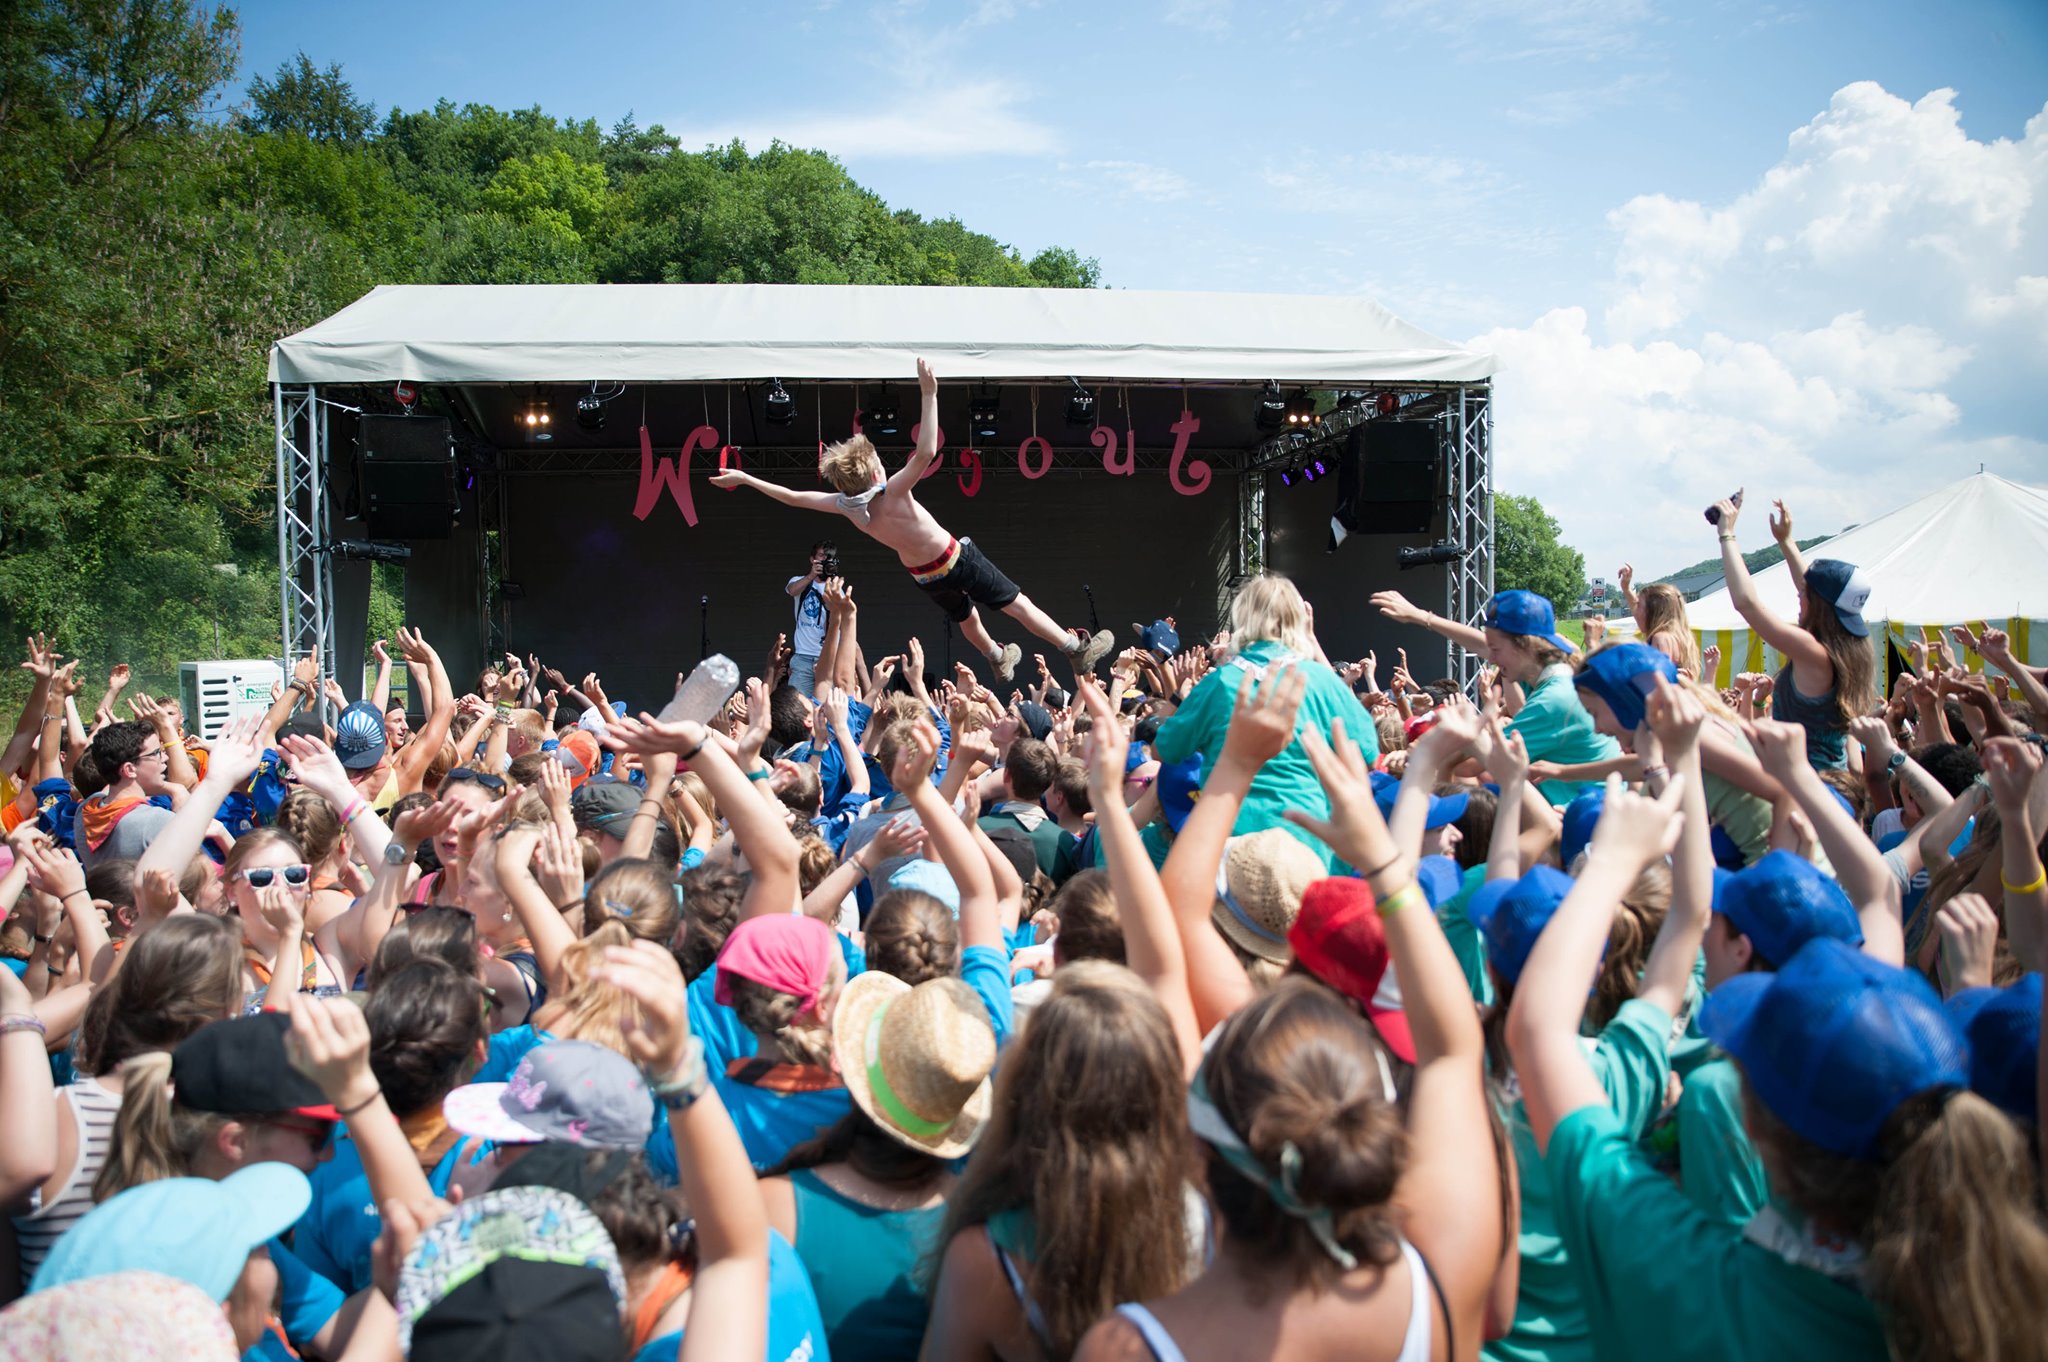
x=495 y=784
x=294 y=875
x=317 y=1132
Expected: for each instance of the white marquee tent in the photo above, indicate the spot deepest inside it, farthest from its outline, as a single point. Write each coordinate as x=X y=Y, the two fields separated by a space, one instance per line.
x=667 y=333
x=1974 y=552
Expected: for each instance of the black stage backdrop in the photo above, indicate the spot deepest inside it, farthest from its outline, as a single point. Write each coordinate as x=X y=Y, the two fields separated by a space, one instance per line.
x=600 y=590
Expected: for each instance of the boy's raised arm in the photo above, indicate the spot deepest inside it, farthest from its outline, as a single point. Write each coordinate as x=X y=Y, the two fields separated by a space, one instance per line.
x=927 y=431
x=729 y=478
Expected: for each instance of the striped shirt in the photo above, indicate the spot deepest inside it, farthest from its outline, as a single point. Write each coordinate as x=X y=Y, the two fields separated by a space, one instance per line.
x=93 y=1110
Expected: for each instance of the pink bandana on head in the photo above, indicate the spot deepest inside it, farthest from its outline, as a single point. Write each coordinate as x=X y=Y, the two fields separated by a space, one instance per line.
x=787 y=952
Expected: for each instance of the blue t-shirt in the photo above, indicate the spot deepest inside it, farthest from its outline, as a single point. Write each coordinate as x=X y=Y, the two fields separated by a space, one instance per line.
x=717 y=1025
x=334 y=1236
x=771 y=1122
x=986 y=970
x=796 y=1332
x=833 y=781
x=305 y=1300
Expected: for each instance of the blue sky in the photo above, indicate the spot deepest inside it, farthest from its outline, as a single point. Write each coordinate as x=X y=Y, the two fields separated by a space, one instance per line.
x=1709 y=241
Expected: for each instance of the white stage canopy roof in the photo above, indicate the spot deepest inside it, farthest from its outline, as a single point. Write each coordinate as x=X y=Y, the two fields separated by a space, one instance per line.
x=693 y=333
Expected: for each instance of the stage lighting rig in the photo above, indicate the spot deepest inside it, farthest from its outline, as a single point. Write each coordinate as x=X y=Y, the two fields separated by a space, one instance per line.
x=1272 y=409
x=881 y=419
x=982 y=411
x=780 y=407
x=538 y=419
x=1080 y=405
x=590 y=412
x=1407 y=558
x=1300 y=412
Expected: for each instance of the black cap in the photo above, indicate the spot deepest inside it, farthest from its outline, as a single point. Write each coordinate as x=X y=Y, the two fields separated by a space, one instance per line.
x=514 y=1310
x=238 y=1067
x=582 y=1173
x=1017 y=848
x=1037 y=719
x=604 y=805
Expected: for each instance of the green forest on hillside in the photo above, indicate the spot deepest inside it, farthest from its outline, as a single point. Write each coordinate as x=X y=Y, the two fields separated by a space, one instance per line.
x=153 y=243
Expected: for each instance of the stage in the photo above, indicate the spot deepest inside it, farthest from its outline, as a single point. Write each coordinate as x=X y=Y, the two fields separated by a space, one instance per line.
x=604 y=550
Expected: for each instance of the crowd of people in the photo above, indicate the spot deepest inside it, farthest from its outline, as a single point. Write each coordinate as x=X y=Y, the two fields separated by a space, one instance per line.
x=1246 y=1003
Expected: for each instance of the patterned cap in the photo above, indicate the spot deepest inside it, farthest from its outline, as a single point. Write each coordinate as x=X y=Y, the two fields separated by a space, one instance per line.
x=566 y=1090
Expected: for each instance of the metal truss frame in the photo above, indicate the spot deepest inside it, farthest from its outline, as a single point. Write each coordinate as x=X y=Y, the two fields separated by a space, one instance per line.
x=1468 y=518
x=305 y=575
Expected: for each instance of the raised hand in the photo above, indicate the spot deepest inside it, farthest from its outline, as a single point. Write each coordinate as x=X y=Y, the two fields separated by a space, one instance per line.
x=42 y=662
x=1676 y=716
x=65 y=683
x=900 y=836
x=1995 y=647
x=1781 y=524
x=412 y=645
x=1780 y=747
x=728 y=478
x=1876 y=736
x=927 y=381
x=1596 y=631
x=2011 y=767
x=283 y=908
x=1969 y=941
x=156 y=892
x=1710 y=661
x=318 y=769
x=471 y=824
x=914 y=763
x=425 y=823
x=54 y=871
x=1108 y=745
x=117 y=679
x=1397 y=607
x=331 y=688
x=234 y=755
x=329 y=1042
x=380 y=652
x=1627 y=579
x=1636 y=828
x=1507 y=756
x=306 y=671
x=1729 y=510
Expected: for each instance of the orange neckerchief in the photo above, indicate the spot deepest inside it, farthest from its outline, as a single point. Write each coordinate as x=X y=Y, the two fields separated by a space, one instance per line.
x=674 y=1280
x=98 y=815
x=761 y=1073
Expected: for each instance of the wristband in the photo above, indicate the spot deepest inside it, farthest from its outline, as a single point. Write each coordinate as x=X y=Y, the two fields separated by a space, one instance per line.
x=695 y=750
x=46 y=940
x=1382 y=869
x=360 y=1106
x=2040 y=881
x=1404 y=897
x=1727 y=538
x=355 y=810
x=66 y=898
x=759 y=775
x=22 y=1021
x=684 y=1084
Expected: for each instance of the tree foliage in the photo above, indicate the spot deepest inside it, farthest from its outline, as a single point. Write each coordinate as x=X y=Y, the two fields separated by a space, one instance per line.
x=151 y=250
x=1528 y=555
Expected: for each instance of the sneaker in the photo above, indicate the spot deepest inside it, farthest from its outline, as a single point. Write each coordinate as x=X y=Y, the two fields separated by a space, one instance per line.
x=1092 y=651
x=1005 y=661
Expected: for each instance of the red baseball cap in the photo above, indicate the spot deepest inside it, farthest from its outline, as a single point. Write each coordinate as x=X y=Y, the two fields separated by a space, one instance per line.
x=1340 y=939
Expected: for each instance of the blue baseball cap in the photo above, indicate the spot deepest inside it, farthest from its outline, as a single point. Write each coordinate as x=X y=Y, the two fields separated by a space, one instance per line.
x=928 y=877
x=1782 y=902
x=359 y=736
x=1525 y=612
x=2003 y=1027
x=1179 y=786
x=1439 y=878
x=1161 y=638
x=1835 y=1041
x=194 y=1229
x=1511 y=914
x=1581 y=816
x=1622 y=674
x=1843 y=586
x=1443 y=809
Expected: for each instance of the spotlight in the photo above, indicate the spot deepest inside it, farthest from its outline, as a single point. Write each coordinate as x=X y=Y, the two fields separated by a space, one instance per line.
x=881 y=419
x=1320 y=470
x=1386 y=404
x=1406 y=558
x=1309 y=474
x=538 y=420
x=1272 y=410
x=1080 y=405
x=982 y=411
x=1301 y=412
x=590 y=412
x=1286 y=478
x=405 y=395
x=780 y=406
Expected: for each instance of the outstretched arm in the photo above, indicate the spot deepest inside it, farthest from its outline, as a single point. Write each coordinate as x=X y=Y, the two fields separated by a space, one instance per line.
x=920 y=460
x=1810 y=661
x=730 y=478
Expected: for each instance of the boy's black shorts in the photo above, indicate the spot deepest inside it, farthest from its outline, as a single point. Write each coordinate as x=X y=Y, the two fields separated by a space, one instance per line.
x=972 y=580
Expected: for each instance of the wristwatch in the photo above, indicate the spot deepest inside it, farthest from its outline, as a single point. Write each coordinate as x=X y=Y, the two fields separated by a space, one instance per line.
x=1894 y=763
x=395 y=853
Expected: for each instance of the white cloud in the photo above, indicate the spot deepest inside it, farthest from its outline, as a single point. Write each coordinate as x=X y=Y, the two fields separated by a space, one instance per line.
x=1204 y=16
x=1142 y=180
x=985 y=119
x=1825 y=337
x=1406 y=200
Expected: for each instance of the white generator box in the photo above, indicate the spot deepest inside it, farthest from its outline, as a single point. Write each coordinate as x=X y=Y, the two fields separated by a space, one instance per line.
x=215 y=694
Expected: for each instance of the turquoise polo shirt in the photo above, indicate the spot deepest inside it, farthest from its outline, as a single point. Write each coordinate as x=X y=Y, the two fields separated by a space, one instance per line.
x=1555 y=727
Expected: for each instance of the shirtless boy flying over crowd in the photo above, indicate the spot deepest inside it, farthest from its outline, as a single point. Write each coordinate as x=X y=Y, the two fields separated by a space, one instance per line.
x=953 y=572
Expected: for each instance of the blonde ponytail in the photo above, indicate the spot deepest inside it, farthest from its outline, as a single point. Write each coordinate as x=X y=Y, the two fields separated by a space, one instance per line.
x=153 y=1138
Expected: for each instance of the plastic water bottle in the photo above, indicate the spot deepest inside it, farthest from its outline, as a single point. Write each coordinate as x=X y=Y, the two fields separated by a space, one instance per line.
x=704 y=691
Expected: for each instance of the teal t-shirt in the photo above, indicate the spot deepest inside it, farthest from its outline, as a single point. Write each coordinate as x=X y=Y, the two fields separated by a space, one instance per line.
x=864 y=1265
x=1658 y=1277
x=1555 y=727
x=341 y=1222
x=1717 y=1165
x=1287 y=781
x=1466 y=942
x=1550 y=1318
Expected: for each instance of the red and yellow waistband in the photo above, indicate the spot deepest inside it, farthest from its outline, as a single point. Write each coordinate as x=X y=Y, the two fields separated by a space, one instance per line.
x=939 y=566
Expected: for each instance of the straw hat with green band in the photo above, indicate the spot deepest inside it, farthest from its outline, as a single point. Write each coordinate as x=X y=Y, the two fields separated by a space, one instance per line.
x=917 y=1060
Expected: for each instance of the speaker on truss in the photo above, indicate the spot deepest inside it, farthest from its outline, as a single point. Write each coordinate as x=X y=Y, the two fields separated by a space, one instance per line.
x=1387 y=480
x=405 y=473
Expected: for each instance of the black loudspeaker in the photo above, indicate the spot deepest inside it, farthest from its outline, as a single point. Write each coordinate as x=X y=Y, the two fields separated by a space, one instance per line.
x=406 y=474
x=1387 y=478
